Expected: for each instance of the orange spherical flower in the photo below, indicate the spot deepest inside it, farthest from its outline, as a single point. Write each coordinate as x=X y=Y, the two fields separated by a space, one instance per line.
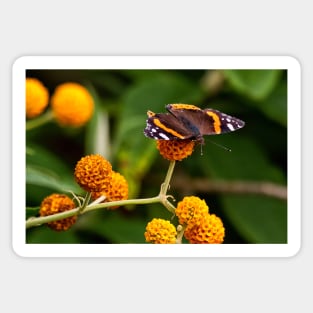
x=175 y=150
x=37 y=97
x=93 y=172
x=57 y=203
x=160 y=231
x=115 y=191
x=210 y=230
x=72 y=104
x=191 y=210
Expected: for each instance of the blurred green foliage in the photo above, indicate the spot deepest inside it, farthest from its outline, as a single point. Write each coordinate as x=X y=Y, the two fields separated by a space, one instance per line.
x=122 y=98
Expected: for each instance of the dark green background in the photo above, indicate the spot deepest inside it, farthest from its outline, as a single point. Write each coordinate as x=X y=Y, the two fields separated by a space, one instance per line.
x=122 y=98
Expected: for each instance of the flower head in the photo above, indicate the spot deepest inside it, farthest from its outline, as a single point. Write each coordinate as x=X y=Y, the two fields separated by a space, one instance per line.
x=160 y=231
x=209 y=230
x=175 y=150
x=116 y=190
x=190 y=210
x=93 y=172
x=37 y=97
x=72 y=104
x=57 y=203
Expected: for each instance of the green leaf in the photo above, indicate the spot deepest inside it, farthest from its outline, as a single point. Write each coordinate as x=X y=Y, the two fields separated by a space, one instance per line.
x=47 y=173
x=112 y=81
x=258 y=218
x=44 y=234
x=275 y=105
x=253 y=84
x=113 y=226
x=246 y=161
x=41 y=157
x=43 y=177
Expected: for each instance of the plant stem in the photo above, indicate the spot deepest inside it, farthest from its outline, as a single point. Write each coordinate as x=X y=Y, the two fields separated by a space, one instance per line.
x=166 y=184
x=41 y=120
x=37 y=221
x=121 y=203
x=180 y=233
x=85 y=203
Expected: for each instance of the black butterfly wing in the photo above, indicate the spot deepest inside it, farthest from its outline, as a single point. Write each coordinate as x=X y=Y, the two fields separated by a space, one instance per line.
x=166 y=127
x=204 y=122
x=220 y=122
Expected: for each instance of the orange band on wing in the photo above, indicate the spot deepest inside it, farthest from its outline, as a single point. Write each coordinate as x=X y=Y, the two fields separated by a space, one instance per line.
x=216 y=123
x=185 y=106
x=168 y=130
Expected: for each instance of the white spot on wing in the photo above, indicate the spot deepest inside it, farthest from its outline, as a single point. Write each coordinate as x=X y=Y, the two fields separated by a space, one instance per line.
x=230 y=127
x=163 y=136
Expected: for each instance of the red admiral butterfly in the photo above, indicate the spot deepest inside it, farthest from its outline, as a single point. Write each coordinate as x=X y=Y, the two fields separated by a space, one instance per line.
x=185 y=121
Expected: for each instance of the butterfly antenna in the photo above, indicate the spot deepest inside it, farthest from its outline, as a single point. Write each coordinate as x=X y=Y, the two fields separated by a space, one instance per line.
x=221 y=146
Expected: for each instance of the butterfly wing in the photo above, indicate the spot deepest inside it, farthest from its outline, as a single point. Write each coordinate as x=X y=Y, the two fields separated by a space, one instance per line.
x=192 y=117
x=219 y=122
x=165 y=126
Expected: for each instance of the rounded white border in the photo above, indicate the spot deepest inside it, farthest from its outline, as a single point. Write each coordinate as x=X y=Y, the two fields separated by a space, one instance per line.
x=156 y=62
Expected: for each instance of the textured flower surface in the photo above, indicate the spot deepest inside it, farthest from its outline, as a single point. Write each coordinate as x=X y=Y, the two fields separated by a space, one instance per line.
x=190 y=210
x=57 y=203
x=93 y=172
x=72 y=104
x=37 y=97
x=160 y=231
x=175 y=150
x=209 y=230
x=116 y=190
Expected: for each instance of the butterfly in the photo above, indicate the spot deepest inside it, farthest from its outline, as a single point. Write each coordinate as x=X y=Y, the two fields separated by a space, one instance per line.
x=187 y=121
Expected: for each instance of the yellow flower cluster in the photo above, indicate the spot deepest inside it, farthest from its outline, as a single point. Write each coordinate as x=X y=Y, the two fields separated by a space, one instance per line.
x=175 y=150
x=160 y=231
x=71 y=103
x=190 y=210
x=57 y=203
x=115 y=191
x=201 y=227
x=94 y=174
x=37 y=97
x=209 y=230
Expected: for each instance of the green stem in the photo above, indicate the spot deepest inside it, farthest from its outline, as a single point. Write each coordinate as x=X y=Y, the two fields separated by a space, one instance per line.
x=165 y=186
x=37 y=221
x=121 y=203
x=85 y=203
x=41 y=120
x=180 y=233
